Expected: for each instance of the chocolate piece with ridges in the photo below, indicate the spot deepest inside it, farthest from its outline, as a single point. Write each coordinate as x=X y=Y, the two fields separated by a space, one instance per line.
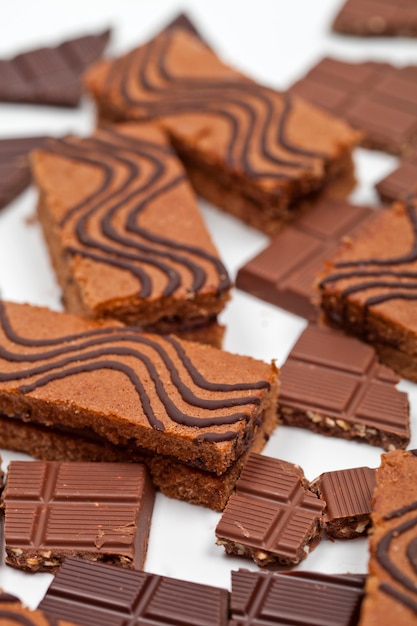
x=286 y=270
x=296 y=598
x=272 y=517
x=100 y=511
x=252 y=151
x=401 y=183
x=95 y=594
x=50 y=75
x=391 y=588
x=370 y=287
x=334 y=385
x=14 y=613
x=347 y=494
x=201 y=406
x=373 y=18
x=14 y=165
x=130 y=211
x=376 y=98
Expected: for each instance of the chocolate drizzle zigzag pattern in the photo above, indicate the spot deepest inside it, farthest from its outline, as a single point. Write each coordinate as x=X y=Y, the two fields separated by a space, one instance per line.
x=404 y=590
x=131 y=247
x=256 y=116
x=92 y=350
x=380 y=275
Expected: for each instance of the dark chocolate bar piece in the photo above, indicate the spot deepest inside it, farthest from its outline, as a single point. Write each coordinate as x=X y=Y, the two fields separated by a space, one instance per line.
x=296 y=598
x=101 y=511
x=14 y=165
x=14 y=613
x=391 y=587
x=334 y=385
x=95 y=594
x=377 y=98
x=272 y=517
x=285 y=271
x=370 y=289
x=401 y=183
x=347 y=494
x=377 y=18
x=50 y=75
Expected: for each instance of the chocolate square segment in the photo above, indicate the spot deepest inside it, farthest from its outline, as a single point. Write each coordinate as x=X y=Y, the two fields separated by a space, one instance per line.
x=299 y=598
x=272 y=517
x=376 y=98
x=285 y=271
x=101 y=511
x=95 y=594
x=334 y=385
x=373 y=18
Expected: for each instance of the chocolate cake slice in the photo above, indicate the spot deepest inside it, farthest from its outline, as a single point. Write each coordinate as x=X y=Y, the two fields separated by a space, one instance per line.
x=74 y=389
x=370 y=288
x=256 y=153
x=126 y=235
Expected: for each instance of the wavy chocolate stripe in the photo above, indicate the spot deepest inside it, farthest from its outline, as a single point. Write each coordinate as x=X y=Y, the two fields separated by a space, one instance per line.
x=83 y=359
x=394 y=280
x=383 y=555
x=134 y=244
x=172 y=95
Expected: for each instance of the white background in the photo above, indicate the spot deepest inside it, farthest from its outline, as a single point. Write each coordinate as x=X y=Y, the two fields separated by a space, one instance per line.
x=274 y=41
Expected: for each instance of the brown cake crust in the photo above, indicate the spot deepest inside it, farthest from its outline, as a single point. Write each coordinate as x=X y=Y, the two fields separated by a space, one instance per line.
x=390 y=592
x=126 y=237
x=370 y=288
x=267 y=148
x=138 y=392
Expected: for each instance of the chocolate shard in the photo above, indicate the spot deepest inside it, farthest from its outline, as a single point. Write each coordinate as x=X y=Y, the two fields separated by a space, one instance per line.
x=401 y=183
x=373 y=18
x=376 y=98
x=101 y=511
x=95 y=594
x=14 y=165
x=296 y=598
x=285 y=272
x=370 y=289
x=391 y=587
x=347 y=494
x=334 y=385
x=50 y=75
x=272 y=517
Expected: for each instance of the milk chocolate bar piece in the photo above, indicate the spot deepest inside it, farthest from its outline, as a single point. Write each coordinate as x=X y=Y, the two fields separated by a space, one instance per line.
x=158 y=396
x=14 y=613
x=347 y=494
x=370 y=288
x=299 y=598
x=401 y=183
x=334 y=385
x=286 y=270
x=253 y=152
x=126 y=237
x=391 y=588
x=51 y=75
x=377 y=18
x=376 y=98
x=95 y=593
x=100 y=511
x=272 y=517
x=14 y=165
